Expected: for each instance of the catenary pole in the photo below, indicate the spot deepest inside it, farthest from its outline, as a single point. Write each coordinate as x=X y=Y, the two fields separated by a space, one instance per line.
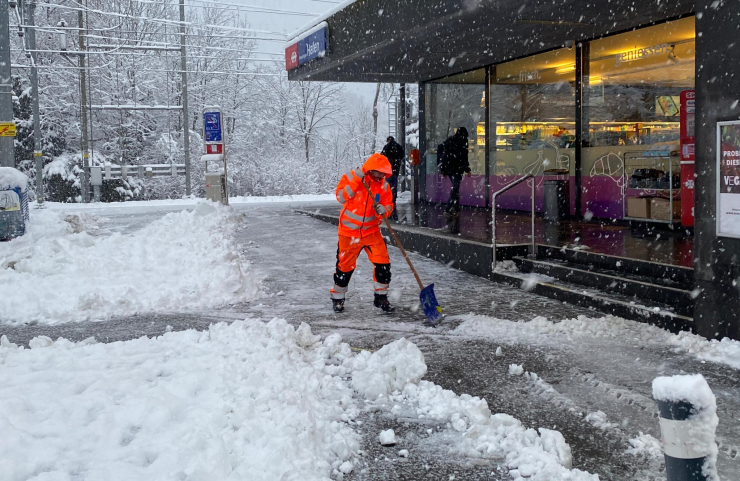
x=7 y=144
x=184 y=94
x=83 y=110
x=37 y=154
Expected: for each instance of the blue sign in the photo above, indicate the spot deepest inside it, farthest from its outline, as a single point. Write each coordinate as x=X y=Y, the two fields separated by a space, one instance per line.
x=212 y=126
x=312 y=46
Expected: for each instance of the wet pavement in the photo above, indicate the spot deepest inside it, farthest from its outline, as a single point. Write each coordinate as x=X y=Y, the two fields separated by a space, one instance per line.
x=579 y=376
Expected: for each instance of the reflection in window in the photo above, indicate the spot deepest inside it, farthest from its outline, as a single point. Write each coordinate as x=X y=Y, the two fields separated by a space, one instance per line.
x=454 y=102
x=533 y=115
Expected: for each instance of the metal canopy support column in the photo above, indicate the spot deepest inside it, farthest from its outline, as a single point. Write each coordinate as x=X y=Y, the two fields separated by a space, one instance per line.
x=401 y=135
x=419 y=193
x=37 y=154
x=490 y=135
x=7 y=144
x=184 y=95
x=582 y=123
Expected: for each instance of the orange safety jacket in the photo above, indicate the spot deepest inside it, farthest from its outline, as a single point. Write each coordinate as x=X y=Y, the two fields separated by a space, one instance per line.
x=358 y=217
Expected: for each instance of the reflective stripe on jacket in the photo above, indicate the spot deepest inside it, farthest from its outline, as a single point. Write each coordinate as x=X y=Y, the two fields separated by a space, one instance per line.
x=358 y=217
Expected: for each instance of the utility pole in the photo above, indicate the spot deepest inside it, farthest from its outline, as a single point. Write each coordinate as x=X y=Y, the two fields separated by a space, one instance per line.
x=402 y=132
x=83 y=111
x=184 y=94
x=7 y=144
x=37 y=154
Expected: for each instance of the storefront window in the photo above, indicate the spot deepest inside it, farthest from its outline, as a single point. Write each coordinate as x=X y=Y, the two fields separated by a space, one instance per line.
x=532 y=122
x=632 y=104
x=454 y=102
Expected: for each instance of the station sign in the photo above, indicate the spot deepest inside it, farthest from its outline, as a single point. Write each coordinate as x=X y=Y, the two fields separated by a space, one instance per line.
x=214 y=148
x=310 y=47
x=212 y=126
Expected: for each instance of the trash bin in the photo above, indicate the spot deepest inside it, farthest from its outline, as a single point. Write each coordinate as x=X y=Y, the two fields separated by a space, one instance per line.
x=557 y=199
x=13 y=203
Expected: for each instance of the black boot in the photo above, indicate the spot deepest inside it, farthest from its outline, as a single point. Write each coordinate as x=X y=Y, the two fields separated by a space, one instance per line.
x=338 y=305
x=381 y=301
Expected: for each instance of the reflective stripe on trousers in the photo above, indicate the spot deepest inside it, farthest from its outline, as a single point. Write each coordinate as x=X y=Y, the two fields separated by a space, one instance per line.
x=338 y=292
x=381 y=289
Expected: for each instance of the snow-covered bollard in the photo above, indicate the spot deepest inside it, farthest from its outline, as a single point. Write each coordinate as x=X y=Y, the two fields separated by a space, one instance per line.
x=688 y=420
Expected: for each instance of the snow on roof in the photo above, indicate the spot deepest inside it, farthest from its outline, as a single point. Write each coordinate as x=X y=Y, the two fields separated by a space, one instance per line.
x=11 y=178
x=318 y=21
x=306 y=33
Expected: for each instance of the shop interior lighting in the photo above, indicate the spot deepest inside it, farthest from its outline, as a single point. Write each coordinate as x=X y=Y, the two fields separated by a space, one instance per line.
x=565 y=69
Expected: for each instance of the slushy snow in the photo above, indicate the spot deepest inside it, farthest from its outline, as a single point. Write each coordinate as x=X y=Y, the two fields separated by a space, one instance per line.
x=726 y=351
x=242 y=401
x=181 y=261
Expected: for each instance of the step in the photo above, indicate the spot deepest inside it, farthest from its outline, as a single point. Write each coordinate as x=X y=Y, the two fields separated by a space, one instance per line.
x=683 y=277
x=654 y=313
x=634 y=287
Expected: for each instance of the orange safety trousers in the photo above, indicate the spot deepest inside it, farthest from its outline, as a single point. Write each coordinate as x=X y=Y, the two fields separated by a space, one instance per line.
x=349 y=249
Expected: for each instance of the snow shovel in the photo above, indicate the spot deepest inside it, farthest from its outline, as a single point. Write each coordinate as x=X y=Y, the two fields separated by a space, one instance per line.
x=428 y=300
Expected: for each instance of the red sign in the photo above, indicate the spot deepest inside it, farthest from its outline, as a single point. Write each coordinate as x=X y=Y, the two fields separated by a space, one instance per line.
x=291 y=57
x=214 y=148
x=688 y=151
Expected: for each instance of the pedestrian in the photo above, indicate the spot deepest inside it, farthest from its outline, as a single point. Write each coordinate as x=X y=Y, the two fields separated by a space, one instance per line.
x=452 y=159
x=359 y=229
x=395 y=154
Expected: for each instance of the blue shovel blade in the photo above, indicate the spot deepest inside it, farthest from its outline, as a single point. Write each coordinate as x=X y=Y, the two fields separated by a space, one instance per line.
x=429 y=304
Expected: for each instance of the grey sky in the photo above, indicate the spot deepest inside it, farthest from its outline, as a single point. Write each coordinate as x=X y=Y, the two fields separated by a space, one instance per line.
x=287 y=24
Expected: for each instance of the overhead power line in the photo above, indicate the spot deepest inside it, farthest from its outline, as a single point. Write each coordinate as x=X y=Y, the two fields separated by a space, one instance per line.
x=147 y=19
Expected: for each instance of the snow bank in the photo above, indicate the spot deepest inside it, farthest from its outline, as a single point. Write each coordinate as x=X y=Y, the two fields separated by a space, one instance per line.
x=191 y=202
x=726 y=351
x=242 y=401
x=529 y=454
x=183 y=260
x=11 y=178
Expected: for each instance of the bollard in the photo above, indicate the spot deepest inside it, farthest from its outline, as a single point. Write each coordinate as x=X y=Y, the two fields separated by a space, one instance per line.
x=688 y=420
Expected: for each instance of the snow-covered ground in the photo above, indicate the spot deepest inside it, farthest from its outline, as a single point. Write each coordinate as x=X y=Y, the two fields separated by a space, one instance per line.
x=243 y=401
x=267 y=396
x=61 y=271
x=187 y=202
x=726 y=351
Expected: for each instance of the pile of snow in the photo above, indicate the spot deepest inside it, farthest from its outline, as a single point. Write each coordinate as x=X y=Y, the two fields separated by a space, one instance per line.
x=58 y=272
x=11 y=178
x=243 y=401
x=391 y=376
x=726 y=351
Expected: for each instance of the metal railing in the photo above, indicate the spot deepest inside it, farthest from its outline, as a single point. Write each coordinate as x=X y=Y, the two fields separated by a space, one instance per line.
x=115 y=172
x=493 y=213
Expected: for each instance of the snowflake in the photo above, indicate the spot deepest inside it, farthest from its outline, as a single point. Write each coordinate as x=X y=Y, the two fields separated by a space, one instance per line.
x=689 y=184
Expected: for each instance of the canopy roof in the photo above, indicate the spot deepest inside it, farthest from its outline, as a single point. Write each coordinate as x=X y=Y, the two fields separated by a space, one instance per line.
x=419 y=40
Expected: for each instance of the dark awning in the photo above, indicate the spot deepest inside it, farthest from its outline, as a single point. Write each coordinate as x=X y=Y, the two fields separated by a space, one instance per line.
x=418 y=40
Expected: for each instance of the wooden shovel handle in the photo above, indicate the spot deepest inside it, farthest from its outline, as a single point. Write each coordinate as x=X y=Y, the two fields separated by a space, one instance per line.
x=395 y=237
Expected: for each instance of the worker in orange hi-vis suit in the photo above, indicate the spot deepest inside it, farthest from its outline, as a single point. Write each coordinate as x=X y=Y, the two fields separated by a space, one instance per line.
x=359 y=229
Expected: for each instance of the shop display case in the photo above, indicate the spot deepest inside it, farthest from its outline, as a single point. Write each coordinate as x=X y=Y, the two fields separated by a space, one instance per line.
x=636 y=133
x=652 y=186
x=526 y=135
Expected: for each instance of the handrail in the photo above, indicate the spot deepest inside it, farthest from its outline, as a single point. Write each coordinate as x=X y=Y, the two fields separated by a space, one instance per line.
x=493 y=213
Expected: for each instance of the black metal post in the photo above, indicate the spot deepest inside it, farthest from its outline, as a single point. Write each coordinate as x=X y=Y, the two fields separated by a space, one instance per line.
x=420 y=191
x=489 y=135
x=581 y=113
